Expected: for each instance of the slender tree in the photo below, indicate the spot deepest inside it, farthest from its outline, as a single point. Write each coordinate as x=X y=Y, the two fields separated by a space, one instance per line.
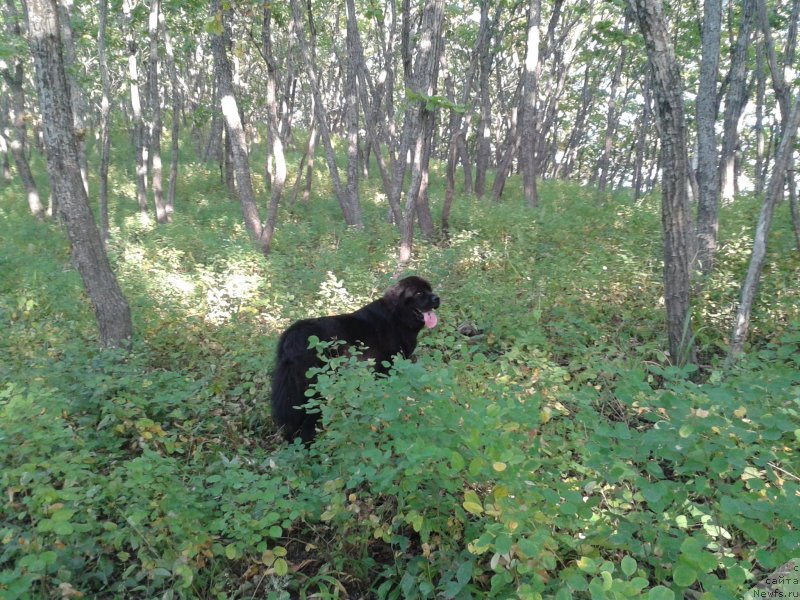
x=612 y=117
x=177 y=103
x=140 y=147
x=420 y=119
x=783 y=158
x=484 y=140
x=76 y=95
x=668 y=94
x=273 y=130
x=155 y=124
x=707 y=173
x=528 y=109
x=17 y=138
x=350 y=206
x=220 y=41
x=110 y=306
x=105 y=120
x=735 y=102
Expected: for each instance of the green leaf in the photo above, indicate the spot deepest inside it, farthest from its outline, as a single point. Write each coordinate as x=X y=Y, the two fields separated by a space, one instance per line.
x=684 y=575
x=62 y=528
x=628 y=566
x=464 y=572
x=457 y=461
x=661 y=593
x=503 y=544
x=281 y=567
x=472 y=503
x=608 y=580
x=64 y=514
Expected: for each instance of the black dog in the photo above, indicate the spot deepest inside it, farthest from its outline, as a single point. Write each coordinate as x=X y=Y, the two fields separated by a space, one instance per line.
x=385 y=327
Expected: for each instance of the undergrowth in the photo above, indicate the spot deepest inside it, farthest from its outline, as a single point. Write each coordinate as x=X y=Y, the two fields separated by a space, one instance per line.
x=554 y=453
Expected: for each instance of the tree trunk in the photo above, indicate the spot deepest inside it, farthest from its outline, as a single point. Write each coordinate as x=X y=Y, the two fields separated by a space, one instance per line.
x=351 y=209
x=528 y=109
x=156 y=125
x=668 y=92
x=313 y=136
x=76 y=97
x=483 y=144
x=351 y=68
x=707 y=172
x=734 y=103
x=136 y=114
x=782 y=93
x=761 y=85
x=370 y=99
x=420 y=119
x=641 y=140
x=176 y=111
x=111 y=308
x=105 y=121
x=783 y=158
x=233 y=123
x=450 y=171
x=578 y=131
x=273 y=132
x=511 y=145
x=17 y=138
x=4 y=110
x=611 y=118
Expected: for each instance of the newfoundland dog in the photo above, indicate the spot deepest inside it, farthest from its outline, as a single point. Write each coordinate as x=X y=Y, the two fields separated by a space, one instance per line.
x=385 y=327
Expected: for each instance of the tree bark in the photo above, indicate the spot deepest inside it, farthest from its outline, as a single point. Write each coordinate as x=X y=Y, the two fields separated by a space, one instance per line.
x=220 y=40
x=511 y=145
x=611 y=118
x=156 y=125
x=176 y=111
x=734 y=103
x=761 y=85
x=110 y=306
x=420 y=119
x=351 y=209
x=273 y=132
x=105 y=121
x=783 y=158
x=668 y=93
x=483 y=143
x=137 y=117
x=76 y=97
x=17 y=138
x=351 y=68
x=528 y=109
x=641 y=139
x=578 y=131
x=707 y=172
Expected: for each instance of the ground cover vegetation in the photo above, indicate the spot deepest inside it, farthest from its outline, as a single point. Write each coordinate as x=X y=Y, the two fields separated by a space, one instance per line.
x=603 y=196
x=557 y=452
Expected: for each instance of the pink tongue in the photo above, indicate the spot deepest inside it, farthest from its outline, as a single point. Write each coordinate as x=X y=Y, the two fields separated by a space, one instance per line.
x=430 y=319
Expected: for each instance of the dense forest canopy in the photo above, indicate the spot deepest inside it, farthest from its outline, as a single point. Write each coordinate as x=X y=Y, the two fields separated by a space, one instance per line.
x=602 y=194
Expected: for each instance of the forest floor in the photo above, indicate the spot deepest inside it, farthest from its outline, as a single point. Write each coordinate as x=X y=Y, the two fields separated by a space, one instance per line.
x=557 y=453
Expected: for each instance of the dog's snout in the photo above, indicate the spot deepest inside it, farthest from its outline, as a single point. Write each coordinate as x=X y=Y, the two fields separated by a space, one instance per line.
x=435 y=301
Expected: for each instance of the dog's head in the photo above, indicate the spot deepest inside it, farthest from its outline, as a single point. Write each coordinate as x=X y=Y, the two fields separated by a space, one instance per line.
x=413 y=299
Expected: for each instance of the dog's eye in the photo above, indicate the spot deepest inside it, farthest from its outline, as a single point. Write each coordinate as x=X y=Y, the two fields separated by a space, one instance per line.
x=418 y=294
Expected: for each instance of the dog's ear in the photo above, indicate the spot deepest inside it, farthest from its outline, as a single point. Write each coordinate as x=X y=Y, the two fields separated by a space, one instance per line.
x=394 y=295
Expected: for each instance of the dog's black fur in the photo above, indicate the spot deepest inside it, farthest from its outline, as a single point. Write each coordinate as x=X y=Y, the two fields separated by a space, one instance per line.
x=385 y=327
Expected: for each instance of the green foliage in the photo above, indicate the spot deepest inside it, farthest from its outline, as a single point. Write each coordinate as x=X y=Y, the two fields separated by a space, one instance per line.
x=555 y=453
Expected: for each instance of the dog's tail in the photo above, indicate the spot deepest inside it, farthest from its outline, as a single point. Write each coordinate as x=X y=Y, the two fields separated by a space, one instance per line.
x=289 y=384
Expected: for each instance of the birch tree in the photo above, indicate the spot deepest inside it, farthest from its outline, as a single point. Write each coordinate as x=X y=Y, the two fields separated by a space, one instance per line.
x=63 y=165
